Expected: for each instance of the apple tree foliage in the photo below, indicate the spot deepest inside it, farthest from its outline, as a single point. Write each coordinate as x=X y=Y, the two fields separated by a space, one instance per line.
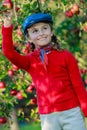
x=70 y=27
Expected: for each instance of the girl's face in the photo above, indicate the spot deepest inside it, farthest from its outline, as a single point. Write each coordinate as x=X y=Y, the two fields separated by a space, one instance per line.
x=40 y=34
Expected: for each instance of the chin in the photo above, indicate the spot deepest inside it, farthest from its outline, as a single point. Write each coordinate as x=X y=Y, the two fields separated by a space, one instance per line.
x=44 y=45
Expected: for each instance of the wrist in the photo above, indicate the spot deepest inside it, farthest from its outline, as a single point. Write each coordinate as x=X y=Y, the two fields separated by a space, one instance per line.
x=6 y=25
x=7 y=18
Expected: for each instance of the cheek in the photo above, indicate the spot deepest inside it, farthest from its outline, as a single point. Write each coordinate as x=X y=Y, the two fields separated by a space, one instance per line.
x=32 y=38
x=49 y=33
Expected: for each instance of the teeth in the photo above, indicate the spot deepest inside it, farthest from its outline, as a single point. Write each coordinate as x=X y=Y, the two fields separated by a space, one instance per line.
x=42 y=38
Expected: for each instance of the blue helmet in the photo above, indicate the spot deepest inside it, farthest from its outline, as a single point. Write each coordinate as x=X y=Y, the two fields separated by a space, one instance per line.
x=35 y=18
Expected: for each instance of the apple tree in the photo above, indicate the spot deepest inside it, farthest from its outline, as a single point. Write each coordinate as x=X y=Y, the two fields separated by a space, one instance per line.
x=70 y=26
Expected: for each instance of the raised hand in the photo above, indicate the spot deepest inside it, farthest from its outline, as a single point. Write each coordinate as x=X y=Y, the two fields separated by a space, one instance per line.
x=7 y=18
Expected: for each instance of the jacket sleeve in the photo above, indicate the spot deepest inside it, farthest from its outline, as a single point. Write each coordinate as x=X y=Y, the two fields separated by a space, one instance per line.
x=9 y=51
x=77 y=82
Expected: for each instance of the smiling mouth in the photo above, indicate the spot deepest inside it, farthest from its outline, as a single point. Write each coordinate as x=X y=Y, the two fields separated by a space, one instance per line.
x=42 y=38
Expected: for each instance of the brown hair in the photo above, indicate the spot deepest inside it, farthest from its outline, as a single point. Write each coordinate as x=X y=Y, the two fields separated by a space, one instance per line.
x=55 y=43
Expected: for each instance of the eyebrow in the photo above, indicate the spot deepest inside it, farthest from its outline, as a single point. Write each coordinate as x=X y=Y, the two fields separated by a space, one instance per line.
x=35 y=27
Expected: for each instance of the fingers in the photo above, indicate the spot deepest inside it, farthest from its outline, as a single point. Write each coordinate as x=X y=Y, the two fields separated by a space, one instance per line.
x=8 y=13
x=7 y=18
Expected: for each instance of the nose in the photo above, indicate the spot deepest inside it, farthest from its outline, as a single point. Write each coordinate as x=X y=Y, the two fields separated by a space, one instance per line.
x=41 y=32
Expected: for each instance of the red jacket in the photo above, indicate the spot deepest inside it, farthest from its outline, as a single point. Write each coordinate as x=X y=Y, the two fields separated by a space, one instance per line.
x=58 y=85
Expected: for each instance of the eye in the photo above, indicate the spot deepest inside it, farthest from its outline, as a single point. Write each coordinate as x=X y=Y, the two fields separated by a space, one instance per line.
x=35 y=31
x=44 y=28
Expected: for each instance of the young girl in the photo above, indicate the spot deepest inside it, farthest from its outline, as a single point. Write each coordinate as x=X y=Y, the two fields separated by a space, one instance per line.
x=61 y=95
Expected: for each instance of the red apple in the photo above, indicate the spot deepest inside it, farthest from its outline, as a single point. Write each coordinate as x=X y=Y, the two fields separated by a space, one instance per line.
x=86 y=81
x=14 y=67
x=13 y=92
x=10 y=73
x=30 y=88
x=16 y=9
x=8 y=4
x=19 y=33
x=3 y=120
x=2 y=85
x=28 y=45
x=26 y=51
x=83 y=71
x=20 y=95
x=85 y=28
x=72 y=10
x=27 y=48
x=69 y=13
x=76 y=7
x=33 y=101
